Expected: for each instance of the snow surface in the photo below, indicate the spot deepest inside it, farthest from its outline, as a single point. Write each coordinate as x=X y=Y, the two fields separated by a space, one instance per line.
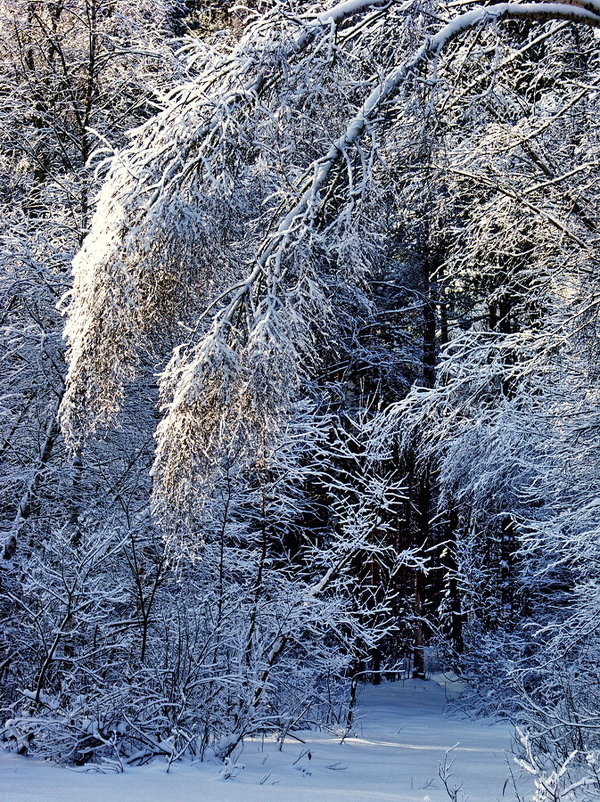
x=400 y=738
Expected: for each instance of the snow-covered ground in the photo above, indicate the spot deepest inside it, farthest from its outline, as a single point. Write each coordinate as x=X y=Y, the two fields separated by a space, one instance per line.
x=401 y=739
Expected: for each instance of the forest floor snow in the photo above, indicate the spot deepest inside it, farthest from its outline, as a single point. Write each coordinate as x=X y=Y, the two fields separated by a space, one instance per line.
x=401 y=738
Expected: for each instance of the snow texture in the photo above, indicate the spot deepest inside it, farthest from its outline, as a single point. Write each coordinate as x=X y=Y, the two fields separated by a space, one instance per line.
x=399 y=742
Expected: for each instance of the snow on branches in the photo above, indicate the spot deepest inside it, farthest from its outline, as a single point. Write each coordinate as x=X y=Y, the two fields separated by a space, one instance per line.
x=245 y=215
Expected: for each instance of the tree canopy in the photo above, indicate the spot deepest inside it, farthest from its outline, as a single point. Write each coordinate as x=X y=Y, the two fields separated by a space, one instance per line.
x=356 y=244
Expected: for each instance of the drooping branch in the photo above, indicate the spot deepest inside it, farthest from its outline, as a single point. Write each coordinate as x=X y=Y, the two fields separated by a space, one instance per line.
x=177 y=199
x=266 y=287
x=251 y=349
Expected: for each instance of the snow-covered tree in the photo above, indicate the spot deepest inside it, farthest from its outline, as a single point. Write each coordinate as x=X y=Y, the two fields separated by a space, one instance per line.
x=251 y=244
x=74 y=76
